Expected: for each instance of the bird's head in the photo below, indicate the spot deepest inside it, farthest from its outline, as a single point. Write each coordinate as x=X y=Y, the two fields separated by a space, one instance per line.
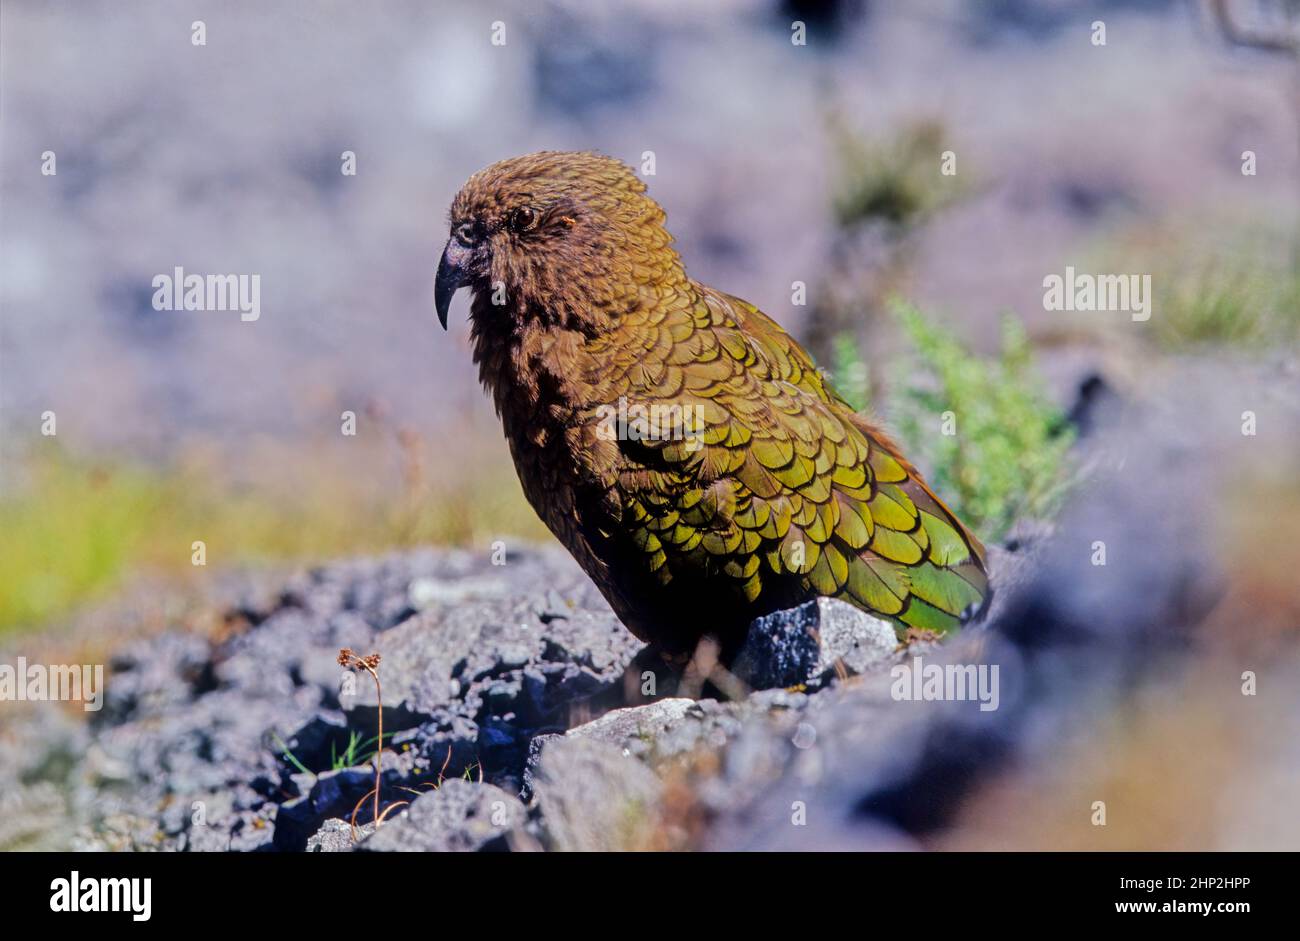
x=568 y=237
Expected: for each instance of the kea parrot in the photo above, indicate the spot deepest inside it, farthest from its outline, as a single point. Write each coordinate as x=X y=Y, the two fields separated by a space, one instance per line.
x=680 y=444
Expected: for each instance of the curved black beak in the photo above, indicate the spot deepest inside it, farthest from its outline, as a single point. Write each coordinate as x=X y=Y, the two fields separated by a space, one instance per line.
x=452 y=270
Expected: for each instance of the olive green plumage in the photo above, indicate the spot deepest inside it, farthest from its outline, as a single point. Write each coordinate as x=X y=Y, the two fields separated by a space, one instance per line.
x=679 y=442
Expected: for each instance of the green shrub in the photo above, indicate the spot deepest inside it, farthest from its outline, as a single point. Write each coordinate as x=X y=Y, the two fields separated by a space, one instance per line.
x=849 y=369
x=1006 y=458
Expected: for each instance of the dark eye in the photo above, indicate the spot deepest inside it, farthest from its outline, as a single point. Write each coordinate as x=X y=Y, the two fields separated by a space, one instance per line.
x=465 y=233
x=523 y=219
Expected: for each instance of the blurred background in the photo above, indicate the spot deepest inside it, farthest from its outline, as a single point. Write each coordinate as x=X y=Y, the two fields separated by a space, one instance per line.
x=776 y=162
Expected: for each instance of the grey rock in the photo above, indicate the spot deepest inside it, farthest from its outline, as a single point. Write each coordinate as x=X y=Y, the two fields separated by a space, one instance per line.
x=594 y=798
x=802 y=645
x=478 y=660
x=428 y=592
x=460 y=816
x=242 y=831
x=335 y=836
x=635 y=728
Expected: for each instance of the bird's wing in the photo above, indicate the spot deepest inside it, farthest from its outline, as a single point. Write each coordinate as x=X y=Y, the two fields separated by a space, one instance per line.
x=768 y=474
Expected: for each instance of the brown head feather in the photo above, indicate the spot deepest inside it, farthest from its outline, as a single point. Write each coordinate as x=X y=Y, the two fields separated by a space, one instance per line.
x=596 y=247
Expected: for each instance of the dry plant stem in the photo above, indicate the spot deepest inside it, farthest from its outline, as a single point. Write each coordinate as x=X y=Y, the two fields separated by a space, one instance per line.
x=443 y=769
x=371 y=665
x=356 y=808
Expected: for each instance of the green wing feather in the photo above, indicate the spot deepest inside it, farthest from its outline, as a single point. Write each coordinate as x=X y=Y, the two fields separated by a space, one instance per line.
x=772 y=476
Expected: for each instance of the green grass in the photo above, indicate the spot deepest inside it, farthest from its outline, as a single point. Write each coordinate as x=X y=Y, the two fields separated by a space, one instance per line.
x=69 y=534
x=894 y=179
x=1238 y=300
x=290 y=757
x=1008 y=456
x=1223 y=280
x=72 y=530
x=358 y=752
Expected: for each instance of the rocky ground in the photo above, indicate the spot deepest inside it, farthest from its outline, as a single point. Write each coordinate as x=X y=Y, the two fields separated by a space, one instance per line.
x=519 y=714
